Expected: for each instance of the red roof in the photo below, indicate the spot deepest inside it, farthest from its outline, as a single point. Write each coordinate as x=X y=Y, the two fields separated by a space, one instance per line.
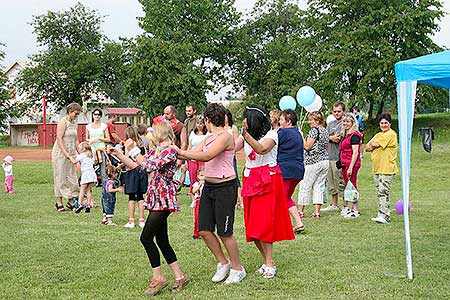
x=124 y=111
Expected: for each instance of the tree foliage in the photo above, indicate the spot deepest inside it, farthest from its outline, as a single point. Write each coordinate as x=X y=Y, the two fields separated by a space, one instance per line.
x=345 y=49
x=77 y=61
x=184 y=50
x=271 y=60
x=5 y=108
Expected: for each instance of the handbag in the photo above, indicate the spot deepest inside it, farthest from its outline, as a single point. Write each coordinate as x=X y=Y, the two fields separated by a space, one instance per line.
x=339 y=164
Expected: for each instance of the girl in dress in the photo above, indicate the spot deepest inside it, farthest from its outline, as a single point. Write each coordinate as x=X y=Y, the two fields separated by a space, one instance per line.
x=266 y=213
x=88 y=176
x=9 y=178
x=160 y=163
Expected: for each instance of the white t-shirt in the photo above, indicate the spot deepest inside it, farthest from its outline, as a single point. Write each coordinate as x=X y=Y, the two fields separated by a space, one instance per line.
x=86 y=162
x=270 y=158
x=8 y=169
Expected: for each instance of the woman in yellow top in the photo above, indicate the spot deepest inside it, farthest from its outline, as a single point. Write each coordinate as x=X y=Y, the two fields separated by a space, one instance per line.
x=384 y=148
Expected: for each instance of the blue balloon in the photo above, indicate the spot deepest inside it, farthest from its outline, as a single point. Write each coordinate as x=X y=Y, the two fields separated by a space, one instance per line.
x=305 y=95
x=287 y=102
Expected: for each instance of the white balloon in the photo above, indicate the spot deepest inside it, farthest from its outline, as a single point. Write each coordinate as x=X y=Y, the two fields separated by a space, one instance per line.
x=330 y=119
x=316 y=105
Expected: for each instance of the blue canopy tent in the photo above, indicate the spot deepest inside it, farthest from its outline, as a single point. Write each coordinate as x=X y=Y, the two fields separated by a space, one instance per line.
x=432 y=69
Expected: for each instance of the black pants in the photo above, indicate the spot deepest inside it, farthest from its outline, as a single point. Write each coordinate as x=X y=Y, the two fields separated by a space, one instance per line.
x=156 y=226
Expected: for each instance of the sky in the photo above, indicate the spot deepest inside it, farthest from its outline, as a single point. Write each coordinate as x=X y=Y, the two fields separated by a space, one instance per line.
x=120 y=21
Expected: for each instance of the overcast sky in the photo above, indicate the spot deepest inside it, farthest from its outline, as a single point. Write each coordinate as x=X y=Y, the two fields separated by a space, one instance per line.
x=120 y=20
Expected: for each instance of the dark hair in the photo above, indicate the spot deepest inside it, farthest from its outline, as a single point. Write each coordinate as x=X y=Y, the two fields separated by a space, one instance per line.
x=385 y=115
x=257 y=121
x=94 y=111
x=229 y=117
x=191 y=105
x=356 y=107
x=111 y=115
x=110 y=170
x=290 y=115
x=215 y=113
x=341 y=104
x=204 y=130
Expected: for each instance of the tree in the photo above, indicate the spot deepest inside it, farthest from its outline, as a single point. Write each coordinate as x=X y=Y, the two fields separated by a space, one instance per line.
x=183 y=52
x=5 y=108
x=357 y=43
x=271 y=60
x=77 y=61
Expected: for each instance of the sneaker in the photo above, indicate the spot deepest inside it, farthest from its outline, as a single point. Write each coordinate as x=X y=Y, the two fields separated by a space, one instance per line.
x=236 y=276
x=315 y=215
x=180 y=284
x=330 y=208
x=380 y=220
x=88 y=209
x=129 y=225
x=192 y=204
x=141 y=224
x=345 y=210
x=110 y=223
x=352 y=214
x=221 y=272
x=301 y=214
x=270 y=272
x=79 y=209
x=156 y=286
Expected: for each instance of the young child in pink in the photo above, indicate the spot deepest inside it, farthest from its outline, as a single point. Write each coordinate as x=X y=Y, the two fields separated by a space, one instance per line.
x=9 y=178
x=197 y=188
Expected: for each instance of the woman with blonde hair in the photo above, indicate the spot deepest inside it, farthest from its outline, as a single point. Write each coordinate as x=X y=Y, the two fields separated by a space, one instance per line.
x=316 y=165
x=350 y=158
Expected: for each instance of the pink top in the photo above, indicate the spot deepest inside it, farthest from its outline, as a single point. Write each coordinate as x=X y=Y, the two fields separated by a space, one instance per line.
x=220 y=166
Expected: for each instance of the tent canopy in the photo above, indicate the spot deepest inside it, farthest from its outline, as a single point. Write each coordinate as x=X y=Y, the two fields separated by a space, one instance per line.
x=432 y=69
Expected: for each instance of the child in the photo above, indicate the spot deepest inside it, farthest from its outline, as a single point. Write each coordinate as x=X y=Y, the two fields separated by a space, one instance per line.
x=135 y=181
x=88 y=176
x=197 y=188
x=109 y=195
x=161 y=201
x=9 y=178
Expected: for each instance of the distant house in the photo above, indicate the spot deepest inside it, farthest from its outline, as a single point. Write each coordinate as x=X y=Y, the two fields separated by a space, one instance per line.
x=133 y=116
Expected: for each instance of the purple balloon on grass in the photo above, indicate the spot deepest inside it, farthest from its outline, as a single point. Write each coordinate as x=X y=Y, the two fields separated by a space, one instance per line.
x=399 y=206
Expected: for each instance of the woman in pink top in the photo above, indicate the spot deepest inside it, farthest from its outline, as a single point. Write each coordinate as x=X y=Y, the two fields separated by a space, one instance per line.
x=218 y=200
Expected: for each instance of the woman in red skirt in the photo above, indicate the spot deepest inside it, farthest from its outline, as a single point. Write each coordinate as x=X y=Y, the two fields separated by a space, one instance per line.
x=266 y=214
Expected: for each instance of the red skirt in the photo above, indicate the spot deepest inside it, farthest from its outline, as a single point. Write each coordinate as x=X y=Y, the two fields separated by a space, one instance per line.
x=266 y=215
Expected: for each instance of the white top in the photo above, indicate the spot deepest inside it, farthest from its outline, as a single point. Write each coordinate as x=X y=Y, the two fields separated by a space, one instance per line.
x=86 y=162
x=97 y=133
x=270 y=158
x=8 y=169
x=196 y=139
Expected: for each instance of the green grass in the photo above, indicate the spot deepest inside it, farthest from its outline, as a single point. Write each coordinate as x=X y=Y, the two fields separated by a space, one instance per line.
x=50 y=255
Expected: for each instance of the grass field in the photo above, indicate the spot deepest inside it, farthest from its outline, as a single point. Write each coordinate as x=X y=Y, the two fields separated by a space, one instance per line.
x=50 y=255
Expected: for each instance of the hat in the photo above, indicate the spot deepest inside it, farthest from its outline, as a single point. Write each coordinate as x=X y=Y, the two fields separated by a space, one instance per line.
x=9 y=159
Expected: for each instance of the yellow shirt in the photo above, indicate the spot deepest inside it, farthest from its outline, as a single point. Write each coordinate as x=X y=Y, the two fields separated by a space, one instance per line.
x=384 y=158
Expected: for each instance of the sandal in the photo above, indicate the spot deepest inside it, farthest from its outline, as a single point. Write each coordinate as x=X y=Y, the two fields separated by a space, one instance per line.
x=299 y=229
x=59 y=208
x=69 y=206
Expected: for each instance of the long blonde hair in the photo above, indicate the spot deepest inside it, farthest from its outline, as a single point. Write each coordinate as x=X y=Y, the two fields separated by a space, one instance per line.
x=163 y=131
x=351 y=117
x=86 y=148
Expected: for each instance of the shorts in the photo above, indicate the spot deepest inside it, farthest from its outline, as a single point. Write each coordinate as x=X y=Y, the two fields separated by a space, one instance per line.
x=136 y=197
x=136 y=181
x=217 y=206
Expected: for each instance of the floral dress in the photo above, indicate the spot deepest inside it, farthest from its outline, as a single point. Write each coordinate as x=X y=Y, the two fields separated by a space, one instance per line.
x=161 y=164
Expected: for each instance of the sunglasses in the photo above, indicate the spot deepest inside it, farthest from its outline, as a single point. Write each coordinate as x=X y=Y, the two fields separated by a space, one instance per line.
x=96 y=114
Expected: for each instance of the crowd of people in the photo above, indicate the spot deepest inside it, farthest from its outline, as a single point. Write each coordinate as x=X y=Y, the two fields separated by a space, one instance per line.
x=278 y=158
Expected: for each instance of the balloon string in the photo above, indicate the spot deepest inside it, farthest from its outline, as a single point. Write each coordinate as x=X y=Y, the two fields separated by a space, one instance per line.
x=303 y=121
